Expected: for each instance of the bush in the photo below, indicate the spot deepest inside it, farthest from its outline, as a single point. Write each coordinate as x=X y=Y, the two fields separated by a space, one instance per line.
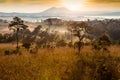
x=61 y=43
x=7 y=52
x=26 y=45
x=70 y=44
x=102 y=43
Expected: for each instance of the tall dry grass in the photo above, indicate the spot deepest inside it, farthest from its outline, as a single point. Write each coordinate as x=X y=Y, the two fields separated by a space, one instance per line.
x=60 y=64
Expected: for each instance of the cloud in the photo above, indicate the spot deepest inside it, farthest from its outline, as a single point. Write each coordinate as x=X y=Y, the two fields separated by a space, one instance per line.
x=2 y=1
x=28 y=1
x=105 y=3
x=27 y=5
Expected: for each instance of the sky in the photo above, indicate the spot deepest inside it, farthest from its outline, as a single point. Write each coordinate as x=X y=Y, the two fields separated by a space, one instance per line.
x=33 y=6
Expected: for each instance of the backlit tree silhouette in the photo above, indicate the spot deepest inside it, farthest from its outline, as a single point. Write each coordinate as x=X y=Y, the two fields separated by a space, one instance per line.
x=17 y=25
x=80 y=30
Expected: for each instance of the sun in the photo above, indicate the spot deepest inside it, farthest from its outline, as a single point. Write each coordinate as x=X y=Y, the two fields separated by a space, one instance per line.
x=73 y=5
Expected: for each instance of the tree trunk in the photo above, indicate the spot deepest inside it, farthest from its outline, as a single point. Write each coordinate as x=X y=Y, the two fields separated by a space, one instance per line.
x=79 y=47
x=71 y=37
x=80 y=44
x=49 y=29
x=17 y=47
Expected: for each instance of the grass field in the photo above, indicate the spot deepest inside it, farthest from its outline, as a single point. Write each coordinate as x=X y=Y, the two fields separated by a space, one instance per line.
x=60 y=64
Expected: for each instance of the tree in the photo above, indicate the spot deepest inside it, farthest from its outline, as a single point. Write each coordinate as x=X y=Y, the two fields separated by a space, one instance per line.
x=27 y=46
x=17 y=25
x=119 y=42
x=37 y=30
x=70 y=29
x=81 y=30
x=40 y=36
x=45 y=38
x=61 y=43
x=49 y=23
x=102 y=43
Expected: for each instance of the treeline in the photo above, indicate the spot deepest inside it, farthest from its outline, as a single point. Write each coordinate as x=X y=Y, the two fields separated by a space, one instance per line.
x=108 y=26
x=7 y=38
x=3 y=21
x=43 y=37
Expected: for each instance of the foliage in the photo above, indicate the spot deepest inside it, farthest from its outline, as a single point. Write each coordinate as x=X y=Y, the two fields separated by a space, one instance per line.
x=61 y=43
x=26 y=45
x=109 y=26
x=6 y=38
x=81 y=30
x=102 y=43
x=17 y=25
x=70 y=44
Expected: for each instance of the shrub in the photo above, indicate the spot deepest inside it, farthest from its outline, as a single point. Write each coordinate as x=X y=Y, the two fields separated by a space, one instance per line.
x=7 y=52
x=102 y=43
x=26 y=46
x=61 y=43
x=70 y=44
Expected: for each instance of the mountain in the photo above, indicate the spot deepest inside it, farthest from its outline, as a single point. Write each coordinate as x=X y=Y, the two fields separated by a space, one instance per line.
x=111 y=14
x=56 y=12
x=15 y=14
x=53 y=11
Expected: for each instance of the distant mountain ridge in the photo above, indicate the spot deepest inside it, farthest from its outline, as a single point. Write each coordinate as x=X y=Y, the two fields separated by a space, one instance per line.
x=53 y=11
x=111 y=14
x=56 y=11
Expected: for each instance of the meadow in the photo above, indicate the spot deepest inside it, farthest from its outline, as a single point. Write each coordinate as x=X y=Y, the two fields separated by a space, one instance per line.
x=60 y=64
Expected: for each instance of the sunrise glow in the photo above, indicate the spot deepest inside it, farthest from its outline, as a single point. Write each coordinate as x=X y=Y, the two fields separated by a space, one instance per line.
x=33 y=6
x=73 y=5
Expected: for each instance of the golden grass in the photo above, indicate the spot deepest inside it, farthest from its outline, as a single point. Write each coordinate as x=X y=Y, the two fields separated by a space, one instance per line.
x=53 y=64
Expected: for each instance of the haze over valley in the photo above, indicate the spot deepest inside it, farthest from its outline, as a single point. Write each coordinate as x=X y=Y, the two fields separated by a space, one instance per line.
x=62 y=13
